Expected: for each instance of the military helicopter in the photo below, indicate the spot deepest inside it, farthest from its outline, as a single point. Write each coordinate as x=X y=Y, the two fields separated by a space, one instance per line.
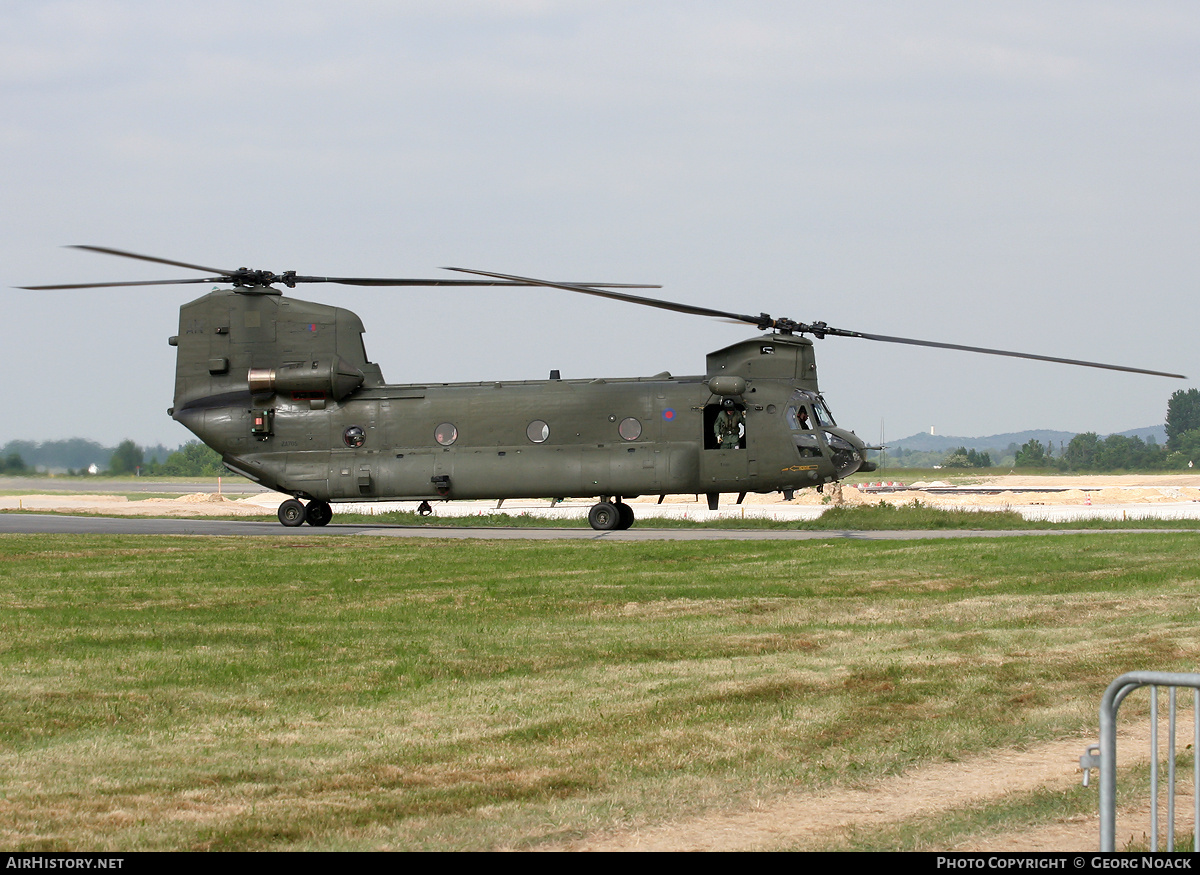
x=283 y=390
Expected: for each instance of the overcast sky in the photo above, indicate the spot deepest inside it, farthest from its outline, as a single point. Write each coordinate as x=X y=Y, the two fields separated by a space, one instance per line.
x=1022 y=175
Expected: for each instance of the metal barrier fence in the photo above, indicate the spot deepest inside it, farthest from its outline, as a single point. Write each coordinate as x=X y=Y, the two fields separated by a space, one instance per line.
x=1104 y=755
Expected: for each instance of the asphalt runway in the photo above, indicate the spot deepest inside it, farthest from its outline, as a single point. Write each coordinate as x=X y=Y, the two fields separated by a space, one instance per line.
x=44 y=524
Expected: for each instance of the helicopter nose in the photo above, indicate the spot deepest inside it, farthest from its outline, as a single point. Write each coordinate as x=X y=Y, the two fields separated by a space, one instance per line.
x=848 y=453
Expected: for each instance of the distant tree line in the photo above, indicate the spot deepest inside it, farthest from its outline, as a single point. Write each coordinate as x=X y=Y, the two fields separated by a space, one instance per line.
x=193 y=459
x=964 y=458
x=13 y=465
x=76 y=457
x=1085 y=452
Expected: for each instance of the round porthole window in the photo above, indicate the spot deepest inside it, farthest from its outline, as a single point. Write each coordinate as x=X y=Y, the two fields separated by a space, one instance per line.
x=630 y=429
x=445 y=434
x=538 y=431
x=354 y=436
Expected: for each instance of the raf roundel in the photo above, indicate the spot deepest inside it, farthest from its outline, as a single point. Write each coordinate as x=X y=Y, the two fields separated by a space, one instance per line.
x=668 y=414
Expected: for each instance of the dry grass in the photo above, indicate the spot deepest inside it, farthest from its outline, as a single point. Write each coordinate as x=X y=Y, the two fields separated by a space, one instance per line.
x=167 y=693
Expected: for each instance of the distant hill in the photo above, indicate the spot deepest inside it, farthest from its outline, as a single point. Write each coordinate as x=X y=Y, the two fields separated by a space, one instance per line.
x=929 y=443
x=1158 y=432
x=923 y=442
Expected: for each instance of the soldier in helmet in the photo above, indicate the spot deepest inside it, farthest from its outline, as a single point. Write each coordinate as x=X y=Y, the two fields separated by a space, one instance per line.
x=728 y=425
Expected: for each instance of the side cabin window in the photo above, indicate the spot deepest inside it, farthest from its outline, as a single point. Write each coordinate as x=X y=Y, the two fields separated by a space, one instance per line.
x=724 y=427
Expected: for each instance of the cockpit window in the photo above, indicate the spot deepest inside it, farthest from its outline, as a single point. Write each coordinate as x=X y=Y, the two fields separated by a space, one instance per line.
x=799 y=415
x=797 y=418
x=823 y=415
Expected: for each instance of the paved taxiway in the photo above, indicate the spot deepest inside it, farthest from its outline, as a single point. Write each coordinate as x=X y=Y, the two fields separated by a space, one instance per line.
x=33 y=524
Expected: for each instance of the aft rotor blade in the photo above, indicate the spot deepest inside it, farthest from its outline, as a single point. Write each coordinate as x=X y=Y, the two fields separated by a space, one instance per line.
x=219 y=279
x=124 y=254
x=349 y=281
x=246 y=277
x=380 y=281
x=1021 y=355
x=591 y=289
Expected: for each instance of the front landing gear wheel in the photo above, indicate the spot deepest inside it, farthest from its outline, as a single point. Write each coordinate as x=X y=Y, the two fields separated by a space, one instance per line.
x=625 y=512
x=291 y=513
x=604 y=517
x=318 y=513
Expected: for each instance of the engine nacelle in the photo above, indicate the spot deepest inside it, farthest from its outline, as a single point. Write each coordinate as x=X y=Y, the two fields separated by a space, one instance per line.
x=330 y=377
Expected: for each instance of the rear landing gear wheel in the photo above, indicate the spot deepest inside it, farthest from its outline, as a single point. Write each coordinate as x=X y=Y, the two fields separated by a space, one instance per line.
x=625 y=514
x=604 y=517
x=318 y=513
x=291 y=513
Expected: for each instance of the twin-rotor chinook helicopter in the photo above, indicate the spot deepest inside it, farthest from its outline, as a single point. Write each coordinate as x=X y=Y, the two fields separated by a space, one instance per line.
x=283 y=390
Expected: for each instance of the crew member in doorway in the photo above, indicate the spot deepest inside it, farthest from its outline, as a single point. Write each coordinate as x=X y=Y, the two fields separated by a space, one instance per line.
x=728 y=425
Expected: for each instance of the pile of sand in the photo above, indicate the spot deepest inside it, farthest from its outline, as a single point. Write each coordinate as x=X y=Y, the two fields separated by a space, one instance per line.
x=203 y=498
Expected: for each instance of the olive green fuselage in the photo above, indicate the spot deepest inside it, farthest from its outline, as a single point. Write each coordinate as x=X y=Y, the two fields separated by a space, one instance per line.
x=283 y=390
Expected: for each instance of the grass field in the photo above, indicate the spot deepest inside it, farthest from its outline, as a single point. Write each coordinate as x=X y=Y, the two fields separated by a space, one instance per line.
x=873 y=517
x=338 y=693
x=913 y=516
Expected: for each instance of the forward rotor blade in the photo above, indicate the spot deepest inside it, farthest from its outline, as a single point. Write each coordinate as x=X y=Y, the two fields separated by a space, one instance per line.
x=819 y=329
x=591 y=289
x=1021 y=355
x=121 y=252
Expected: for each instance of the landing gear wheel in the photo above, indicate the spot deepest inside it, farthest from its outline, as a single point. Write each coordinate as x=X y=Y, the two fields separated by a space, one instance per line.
x=604 y=517
x=291 y=513
x=625 y=512
x=318 y=513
